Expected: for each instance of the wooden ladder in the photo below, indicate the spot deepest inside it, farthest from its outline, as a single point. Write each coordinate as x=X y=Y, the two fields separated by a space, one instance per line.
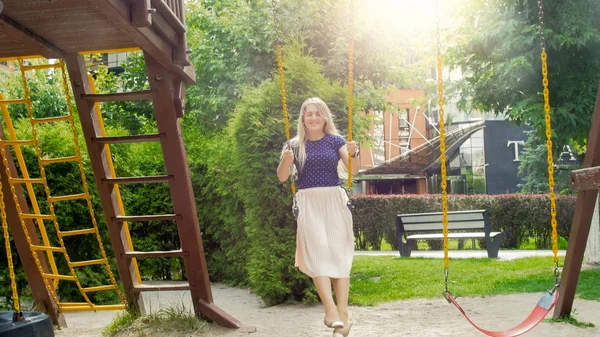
x=165 y=92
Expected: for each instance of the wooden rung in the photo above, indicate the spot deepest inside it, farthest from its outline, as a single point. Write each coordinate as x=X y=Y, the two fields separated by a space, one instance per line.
x=60 y=277
x=19 y=142
x=86 y=307
x=119 y=97
x=38 y=216
x=47 y=249
x=42 y=66
x=147 y=287
x=66 y=118
x=27 y=181
x=170 y=253
x=137 y=180
x=78 y=232
x=585 y=179
x=127 y=139
x=59 y=160
x=133 y=218
x=69 y=197
x=12 y=101
x=87 y=263
x=98 y=288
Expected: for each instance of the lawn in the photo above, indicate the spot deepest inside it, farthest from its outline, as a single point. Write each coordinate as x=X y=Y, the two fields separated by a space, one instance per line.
x=380 y=279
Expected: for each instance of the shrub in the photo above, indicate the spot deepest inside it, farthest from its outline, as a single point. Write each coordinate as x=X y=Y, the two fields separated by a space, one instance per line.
x=520 y=216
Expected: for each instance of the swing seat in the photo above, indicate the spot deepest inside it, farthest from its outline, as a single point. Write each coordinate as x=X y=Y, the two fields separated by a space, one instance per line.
x=35 y=324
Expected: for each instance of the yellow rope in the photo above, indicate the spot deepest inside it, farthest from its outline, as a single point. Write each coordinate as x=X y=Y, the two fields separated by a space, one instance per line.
x=11 y=268
x=286 y=120
x=550 y=160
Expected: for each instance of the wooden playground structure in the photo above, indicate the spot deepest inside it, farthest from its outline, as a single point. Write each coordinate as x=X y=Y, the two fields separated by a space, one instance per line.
x=63 y=31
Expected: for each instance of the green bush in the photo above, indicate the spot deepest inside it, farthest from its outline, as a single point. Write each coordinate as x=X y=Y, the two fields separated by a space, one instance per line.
x=520 y=216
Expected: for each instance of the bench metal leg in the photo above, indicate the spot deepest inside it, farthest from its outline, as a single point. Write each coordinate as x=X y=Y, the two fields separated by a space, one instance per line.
x=406 y=248
x=493 y=245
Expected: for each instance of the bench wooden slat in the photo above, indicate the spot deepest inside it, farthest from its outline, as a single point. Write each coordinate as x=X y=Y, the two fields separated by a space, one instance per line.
x=436 y=226
x=479 y=235
x=438 y=218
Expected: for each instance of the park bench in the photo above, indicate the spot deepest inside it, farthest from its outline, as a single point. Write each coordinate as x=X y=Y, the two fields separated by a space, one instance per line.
x=461 y=225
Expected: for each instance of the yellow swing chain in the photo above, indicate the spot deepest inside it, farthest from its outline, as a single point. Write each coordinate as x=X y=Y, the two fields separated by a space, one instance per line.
x=11 y=268
x=550 y=160
x=442 y=146
x=284 y=106
x=350 y=91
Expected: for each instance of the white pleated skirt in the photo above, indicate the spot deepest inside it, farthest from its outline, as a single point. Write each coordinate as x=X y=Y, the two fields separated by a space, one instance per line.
x=324 y=239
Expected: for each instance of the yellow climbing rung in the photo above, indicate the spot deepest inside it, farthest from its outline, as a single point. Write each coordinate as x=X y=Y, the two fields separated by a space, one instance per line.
x=13 y=101
x=87 y=263
x=99 y=288
x=19 y=142
x=46 y=248
x=51 y=119
x=78 y=232
x=42 y=66
x=38 y=216
x=27 y=181
x=59 y=277
x=68 y=197
x=58 y=160
x=86 y=307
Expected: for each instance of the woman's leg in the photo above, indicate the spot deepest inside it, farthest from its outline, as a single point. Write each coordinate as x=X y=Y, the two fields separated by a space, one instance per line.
x=323 y=285
x=341 y=287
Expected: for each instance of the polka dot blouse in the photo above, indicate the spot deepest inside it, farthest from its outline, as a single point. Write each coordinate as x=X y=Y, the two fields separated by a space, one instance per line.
x=322 y=157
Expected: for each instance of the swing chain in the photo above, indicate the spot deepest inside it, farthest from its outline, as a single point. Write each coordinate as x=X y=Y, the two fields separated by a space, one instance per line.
x=446 y=292
x=556 y=277
x=541 y=18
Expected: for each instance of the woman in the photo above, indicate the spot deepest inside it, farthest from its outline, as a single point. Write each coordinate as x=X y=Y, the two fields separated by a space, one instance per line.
x=325 y=239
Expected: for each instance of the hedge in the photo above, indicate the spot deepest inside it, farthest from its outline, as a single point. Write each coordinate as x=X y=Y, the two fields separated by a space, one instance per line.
x=520 y=216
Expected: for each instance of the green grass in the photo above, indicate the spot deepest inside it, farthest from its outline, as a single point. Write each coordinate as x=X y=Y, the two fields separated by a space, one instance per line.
x=176 y=320
x=381 y=279
x=453 y=244
x=571 y=320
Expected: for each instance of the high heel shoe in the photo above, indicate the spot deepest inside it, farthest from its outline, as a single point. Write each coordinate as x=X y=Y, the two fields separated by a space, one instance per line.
x=333 y=324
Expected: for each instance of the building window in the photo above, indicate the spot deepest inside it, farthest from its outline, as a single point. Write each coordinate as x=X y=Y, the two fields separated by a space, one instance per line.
x=114 y=60
x=378 y=138
x=404 y=130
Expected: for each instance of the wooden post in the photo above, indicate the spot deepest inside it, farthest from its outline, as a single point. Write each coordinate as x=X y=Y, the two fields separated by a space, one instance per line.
x=88 y=117
x=580 y=228
x=42 y=298
x=162 y=84
x=592 y=252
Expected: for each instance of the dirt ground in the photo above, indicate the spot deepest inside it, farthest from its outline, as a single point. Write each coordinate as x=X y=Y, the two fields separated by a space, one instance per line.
x=421 y=317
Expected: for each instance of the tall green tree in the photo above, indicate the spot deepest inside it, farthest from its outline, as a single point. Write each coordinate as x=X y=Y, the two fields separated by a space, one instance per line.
x=496 y=46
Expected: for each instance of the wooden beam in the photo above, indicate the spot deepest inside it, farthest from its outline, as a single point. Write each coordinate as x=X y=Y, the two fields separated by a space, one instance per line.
x=580 y=228
x=585 y=179
x=182 y=194
x=33 y=43
x=141 y=13
x=119 y=13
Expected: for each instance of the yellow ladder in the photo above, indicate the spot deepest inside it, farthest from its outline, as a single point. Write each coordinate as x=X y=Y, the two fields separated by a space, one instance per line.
x=14 y=179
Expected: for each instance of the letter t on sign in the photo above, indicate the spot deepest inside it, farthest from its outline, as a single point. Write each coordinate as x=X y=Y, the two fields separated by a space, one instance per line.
x=516 y=142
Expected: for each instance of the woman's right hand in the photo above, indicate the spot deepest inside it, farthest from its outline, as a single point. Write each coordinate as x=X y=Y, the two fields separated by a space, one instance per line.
x=288 y=157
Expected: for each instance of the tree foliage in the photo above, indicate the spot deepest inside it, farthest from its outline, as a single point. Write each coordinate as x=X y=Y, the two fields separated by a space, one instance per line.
x=496 y=46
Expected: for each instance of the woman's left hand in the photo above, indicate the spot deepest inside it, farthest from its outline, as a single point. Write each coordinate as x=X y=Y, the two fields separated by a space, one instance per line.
x=351 y=147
